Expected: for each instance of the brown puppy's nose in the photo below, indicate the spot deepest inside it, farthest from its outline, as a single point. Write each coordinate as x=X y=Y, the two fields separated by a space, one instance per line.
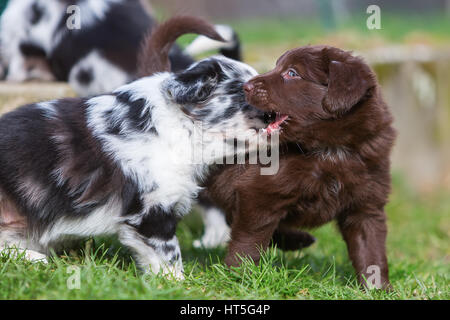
x=248 y=87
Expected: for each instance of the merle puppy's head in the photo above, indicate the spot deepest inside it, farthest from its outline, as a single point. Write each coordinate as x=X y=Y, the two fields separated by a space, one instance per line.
x=321 y=97
x=211 y=91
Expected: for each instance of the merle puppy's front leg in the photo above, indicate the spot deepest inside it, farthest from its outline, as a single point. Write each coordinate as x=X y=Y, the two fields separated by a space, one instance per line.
x=154 y=242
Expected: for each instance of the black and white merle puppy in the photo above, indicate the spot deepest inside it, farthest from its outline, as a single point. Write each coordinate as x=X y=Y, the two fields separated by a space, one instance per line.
x=36 y=43
x=124 y=163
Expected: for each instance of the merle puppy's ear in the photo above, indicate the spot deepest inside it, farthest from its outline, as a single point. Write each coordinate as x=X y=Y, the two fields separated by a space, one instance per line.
x=196 y=84
x=349 y=80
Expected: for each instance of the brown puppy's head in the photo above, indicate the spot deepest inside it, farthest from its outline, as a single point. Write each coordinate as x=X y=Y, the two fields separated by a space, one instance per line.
x=322 y=91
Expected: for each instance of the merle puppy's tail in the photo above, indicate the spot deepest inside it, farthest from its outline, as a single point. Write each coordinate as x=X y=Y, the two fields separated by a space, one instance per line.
x=154 y=55
x=230 y=48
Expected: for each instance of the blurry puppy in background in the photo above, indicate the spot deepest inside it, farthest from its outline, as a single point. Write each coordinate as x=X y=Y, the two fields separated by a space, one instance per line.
x=37 y=44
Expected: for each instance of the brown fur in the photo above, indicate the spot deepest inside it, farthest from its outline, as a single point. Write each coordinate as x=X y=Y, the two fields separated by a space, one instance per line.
x=9 y=213
x=334 y=162
x=154 y=55
x=77 y=168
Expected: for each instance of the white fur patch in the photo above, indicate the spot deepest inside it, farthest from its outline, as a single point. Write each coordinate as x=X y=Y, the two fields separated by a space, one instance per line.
x=105 y=76
x=104 y=220
x=27 y=254
x=203 y=44
x=49 y=108
x=94 y=10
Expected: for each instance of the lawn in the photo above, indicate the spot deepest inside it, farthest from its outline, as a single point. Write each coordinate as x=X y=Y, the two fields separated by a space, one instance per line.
x=418 y=253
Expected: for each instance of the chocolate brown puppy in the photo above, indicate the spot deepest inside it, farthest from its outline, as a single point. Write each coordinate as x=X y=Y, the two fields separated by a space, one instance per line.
x=334 y=160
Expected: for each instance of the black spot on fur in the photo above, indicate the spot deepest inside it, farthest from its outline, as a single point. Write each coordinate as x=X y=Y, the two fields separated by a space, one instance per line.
x=113 y=127
x=36 y=14
x=203 y=71
x=178 y=59
x=253 y=113
x=138 y=113
x=168 y=248
x=85 y=76
x=123 y=97
x=153 y=130
x=234 y=87
x=202 y=113
x=158 y=223
x=230 y=111
x=31 y=50
x=235 y=52
x=135 y=105
x=132 y=202
x=205 y=201
x=198 y=82
x=216 y=120
x=174 y=258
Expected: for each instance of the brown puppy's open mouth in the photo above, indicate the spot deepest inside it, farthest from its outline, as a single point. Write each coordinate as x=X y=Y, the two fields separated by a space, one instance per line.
x=274 y=120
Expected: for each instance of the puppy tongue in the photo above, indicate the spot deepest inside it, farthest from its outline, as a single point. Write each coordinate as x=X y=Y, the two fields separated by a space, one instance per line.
x=279 y=119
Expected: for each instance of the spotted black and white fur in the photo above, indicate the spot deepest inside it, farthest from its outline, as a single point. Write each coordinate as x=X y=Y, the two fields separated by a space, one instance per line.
x=35 y=43
x=120 y=163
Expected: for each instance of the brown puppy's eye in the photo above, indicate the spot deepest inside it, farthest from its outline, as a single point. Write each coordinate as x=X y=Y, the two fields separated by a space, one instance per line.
x=291 y=74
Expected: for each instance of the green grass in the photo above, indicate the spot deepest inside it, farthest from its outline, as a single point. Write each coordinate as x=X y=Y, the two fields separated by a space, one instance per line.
x=418 y=253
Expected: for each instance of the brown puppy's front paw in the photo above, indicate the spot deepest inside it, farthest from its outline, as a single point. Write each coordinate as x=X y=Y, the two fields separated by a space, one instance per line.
x=232 y=261
x=235 y=258
x=289 y=240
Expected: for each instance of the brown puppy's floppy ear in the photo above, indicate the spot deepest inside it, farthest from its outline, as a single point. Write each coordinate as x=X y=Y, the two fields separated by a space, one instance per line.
x=349 y=80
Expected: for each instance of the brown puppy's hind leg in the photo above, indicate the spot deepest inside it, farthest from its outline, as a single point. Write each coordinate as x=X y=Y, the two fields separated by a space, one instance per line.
x=248 y=241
